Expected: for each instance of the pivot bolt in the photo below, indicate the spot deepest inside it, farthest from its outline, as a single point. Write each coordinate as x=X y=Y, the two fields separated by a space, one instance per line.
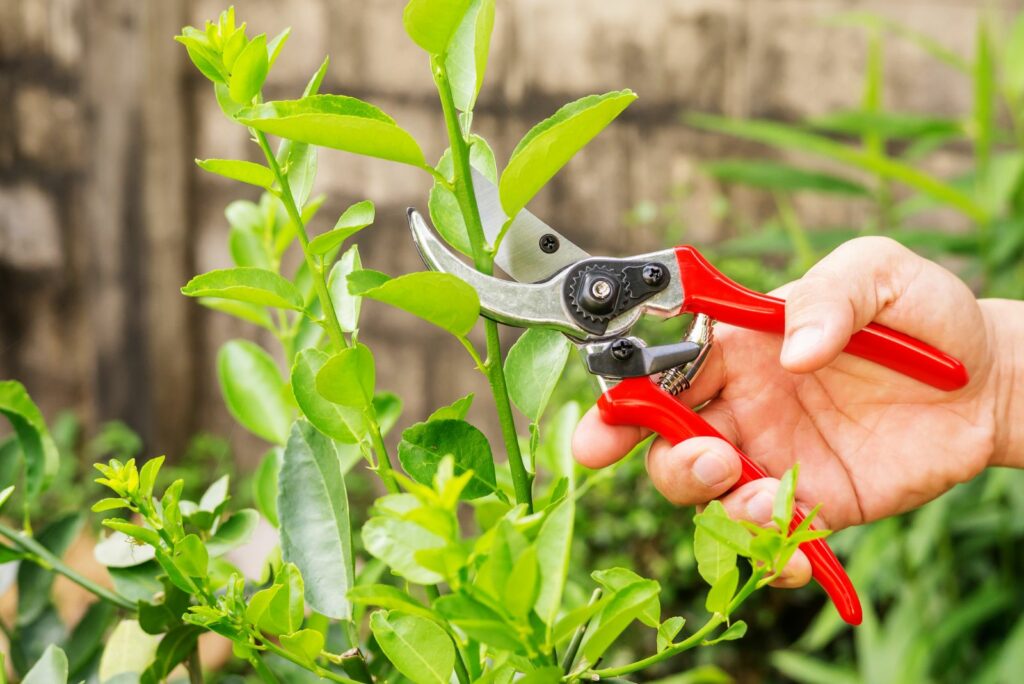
x=653 y=274
x=548 y=243
x=622 y=349
x=601 y=290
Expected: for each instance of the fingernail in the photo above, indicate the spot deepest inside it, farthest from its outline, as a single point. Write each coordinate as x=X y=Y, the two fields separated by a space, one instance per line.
x=710 y=469
x=801 y=343
x=759 y=507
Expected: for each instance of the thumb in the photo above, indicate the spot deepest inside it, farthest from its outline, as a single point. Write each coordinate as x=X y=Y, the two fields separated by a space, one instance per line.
x=841 y=294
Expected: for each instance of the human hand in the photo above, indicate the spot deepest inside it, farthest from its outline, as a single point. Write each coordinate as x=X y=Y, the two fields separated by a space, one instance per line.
x=871 y=443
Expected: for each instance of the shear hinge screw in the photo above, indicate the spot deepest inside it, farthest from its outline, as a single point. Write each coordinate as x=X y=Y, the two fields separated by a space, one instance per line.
x=653 y=274
x=548 y=243
x=601 y=289
x=622 y=349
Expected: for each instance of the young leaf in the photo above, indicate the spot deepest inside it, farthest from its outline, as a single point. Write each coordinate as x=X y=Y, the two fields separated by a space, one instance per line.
x=722 y=592
x=716 y=521
x=522 y=585
x=396 y=542
x=457 y=410
x=432 y=23
x=484 y=623
x=425 y=444
x=316 y=534
x=216 y=495
x=251 y=313
x=348 y=378
x=554 y=541
x=735 y=631
x=782 y=507
x=253 y=390
x=234 y=532
x=264 y=484
x=190 y=556
x=338 y=122
x=37 y=446
x=438 y=298
x=249 y=71
x=467 y=53
x=285 y=607
x=549 y=145
x=353 y=220
x=276 y=44
x=624 y=607
x=533 y=366
x=118 y=550
x=346 y=305
x=242 y=171
x=202 y=55
x=252 y=285
x=306 y=644
x=615 y=579
x=782 y=177
x=668 y=630
x=417 y=647
x=342 y=423
x=444 y=208
x=51 y=668
x=714 y=558
x=390 y=598
x=174 y=648
x=129 y=651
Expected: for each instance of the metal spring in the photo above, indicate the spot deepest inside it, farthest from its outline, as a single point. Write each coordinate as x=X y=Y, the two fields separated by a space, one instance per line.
x=674 y=380
x=678 y=379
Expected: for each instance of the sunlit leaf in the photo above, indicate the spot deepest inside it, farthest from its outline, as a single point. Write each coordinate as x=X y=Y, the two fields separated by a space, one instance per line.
x=253 y=390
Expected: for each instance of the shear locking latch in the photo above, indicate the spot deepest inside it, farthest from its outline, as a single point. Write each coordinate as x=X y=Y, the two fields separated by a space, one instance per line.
x=627 y=357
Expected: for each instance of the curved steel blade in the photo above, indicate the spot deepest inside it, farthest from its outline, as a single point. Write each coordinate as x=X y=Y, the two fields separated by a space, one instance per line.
x=520 y=254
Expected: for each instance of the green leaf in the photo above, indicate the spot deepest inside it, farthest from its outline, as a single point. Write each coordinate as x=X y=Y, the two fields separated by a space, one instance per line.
x=722 y=592
x=6 y=494
x=129 y=651
x=242 y=171
x=714 y=558
x=249 y=71
x=37 y=446
x=387 y=406
x=245 y=284
x=479 y=621
x=417 y=647
x=457 y=410
x=51 y=668
x=142 y=534
x=432 y=23
x=1013 y=59
x=264 y=484
x=807 y=670
x=785 y=497
x=424 y=445
x=390 y=598
x=338 y=122
x=348 y=378
x=396 y=542
x=719 y=525
x=87 y=638
x=346 y=305
x=522 y=587
x=203 y=56
x=859 y=123
x=533 y=366
x=624 y=607
x=35 y=581
x=285 y=607
x=147 y=475
x=299 y=160
x=668 y=630
x=444 y=208
x=306 y=644
x=315 y=530
x=175 y=647
x=616 y=579
x=250 y=313
x=735 y=631
x=234 y=532
x=549 y=145
x=366 y=279
x=190 y=556
x=438 y=298
x=253 y=390
x=467 y=53
x=342 y=423
x=554 y=541
x=353 y=220
x=118 y=550
x=775 y=176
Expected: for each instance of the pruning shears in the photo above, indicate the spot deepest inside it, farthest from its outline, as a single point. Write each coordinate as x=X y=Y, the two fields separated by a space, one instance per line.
x=596 y=301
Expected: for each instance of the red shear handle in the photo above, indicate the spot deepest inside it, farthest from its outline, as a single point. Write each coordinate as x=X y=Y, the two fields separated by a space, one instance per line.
x=639 y=401
x=706 y=290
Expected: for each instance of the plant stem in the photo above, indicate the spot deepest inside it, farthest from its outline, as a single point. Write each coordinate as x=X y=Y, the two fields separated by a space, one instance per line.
x=483 y=260
x=317 y=273
x=194 y=667
x=264 y=672
x=45 y=558
x=577 y=638
x=321 y=672
x=353 y=663
x=384 y=467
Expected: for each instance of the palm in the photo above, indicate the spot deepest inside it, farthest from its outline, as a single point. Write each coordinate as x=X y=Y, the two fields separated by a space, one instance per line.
x=868 y=440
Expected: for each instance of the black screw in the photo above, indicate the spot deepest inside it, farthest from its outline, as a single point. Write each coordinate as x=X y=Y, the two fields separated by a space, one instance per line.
x=548 y=243
x=622 y=349
x=653 y=274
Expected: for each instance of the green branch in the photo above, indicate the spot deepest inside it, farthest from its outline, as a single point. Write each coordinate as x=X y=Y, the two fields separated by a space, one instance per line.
x=44 y=557
x=483 y=260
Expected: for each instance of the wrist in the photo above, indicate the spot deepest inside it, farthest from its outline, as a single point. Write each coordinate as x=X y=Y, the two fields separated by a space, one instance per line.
x=1005 y=320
